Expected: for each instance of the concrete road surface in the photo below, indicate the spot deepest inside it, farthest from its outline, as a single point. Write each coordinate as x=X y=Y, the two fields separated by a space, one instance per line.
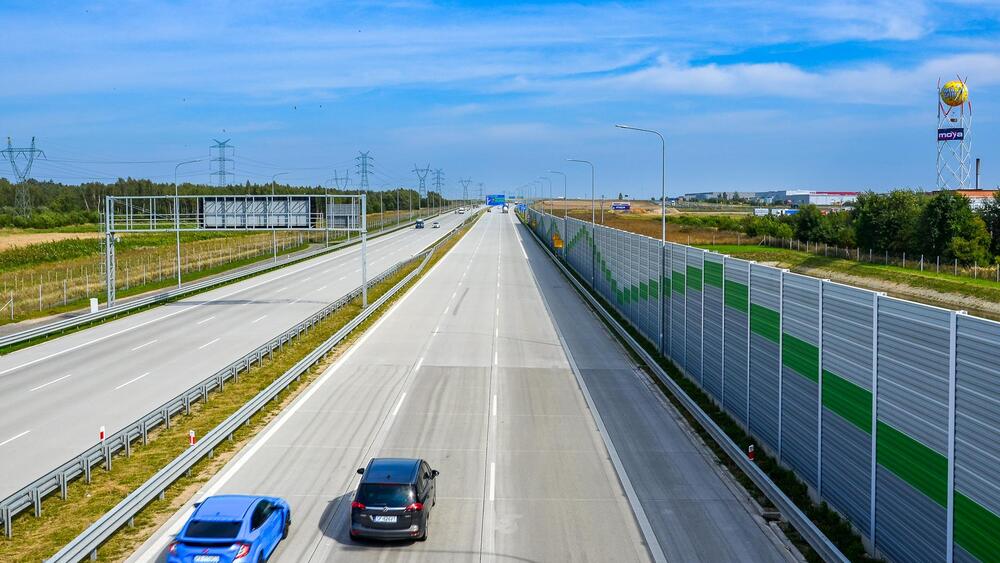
x=56 y=395
x=478 y=371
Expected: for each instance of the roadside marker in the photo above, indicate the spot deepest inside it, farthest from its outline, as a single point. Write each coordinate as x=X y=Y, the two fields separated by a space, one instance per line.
x=102 y=433
x=191 y=438
x=751 y=455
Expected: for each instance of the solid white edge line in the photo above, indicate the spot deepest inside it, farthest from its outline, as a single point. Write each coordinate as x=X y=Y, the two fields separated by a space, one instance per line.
x=9 y=440
x=399 y=404
x=493 y=481
x=56 y=380
x=230 y=469
x=133 y=380
x=652 y=544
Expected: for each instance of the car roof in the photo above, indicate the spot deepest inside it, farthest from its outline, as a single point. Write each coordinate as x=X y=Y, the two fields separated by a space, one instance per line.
x=391 y=470
x=226 y=507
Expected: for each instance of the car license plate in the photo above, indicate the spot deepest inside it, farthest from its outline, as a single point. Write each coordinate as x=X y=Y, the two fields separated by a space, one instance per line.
x=384 y=519
x=206 y=559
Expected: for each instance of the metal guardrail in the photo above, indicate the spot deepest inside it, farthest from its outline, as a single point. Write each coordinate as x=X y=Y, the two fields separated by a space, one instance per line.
x=103 y=452
x=79 y=320
x=86 y=544
x=802 y=524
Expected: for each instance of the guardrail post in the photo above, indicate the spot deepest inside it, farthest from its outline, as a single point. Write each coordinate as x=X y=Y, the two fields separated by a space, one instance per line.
x=86 y=470
x=128 y=445
x=187 y=404
x=62 y=485
x=166 y=417
x=107 y=458
x=145 y=433
x=36 y=502
x=6 y=522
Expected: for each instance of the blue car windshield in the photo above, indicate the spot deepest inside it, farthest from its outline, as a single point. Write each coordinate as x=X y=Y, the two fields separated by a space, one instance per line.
x=376 y=494
x=213 y=530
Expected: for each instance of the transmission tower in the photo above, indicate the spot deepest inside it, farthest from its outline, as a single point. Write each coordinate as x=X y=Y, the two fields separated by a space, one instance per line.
x=465 y=187
x=422 y=175
x=439 y=182
x=480 y=191
x=22 y=199
x=366 y=164
x=221 y=155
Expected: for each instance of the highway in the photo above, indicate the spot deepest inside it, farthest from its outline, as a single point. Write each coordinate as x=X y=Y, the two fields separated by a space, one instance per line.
x=486 y=368
x=55 y=395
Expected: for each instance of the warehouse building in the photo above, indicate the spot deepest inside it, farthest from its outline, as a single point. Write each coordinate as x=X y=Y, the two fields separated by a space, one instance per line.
x=781 y=197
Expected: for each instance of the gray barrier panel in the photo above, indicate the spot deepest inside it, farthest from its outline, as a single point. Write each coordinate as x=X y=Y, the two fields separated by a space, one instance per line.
x=765 y=353
x=678 y=327
x=912 y=430
x=713 y=325
x=800 y=345
x=847 y=365
x=694 y=276
x=736 y=361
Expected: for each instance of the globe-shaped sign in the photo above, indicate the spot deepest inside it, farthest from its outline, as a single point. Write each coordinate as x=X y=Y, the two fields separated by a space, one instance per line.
x=954 y=93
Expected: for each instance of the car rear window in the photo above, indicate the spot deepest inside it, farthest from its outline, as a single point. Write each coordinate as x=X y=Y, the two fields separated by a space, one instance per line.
x=375 y=494
x=210 y=529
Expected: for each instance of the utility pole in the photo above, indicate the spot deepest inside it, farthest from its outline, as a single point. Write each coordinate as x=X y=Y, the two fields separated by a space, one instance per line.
x=221 y=154
x=365 y=165
x=465 y=189
x=22 y=199
x=422 y=176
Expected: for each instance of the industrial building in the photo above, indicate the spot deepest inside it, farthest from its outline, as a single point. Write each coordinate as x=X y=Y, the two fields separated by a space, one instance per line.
x=977 y=198
x=780 y=197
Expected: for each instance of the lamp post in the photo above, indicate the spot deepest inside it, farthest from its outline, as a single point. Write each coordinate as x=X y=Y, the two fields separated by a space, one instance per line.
x=663 y=212
x=549 y=180
x=270 y=208
x=177 y=216
x=593 y=214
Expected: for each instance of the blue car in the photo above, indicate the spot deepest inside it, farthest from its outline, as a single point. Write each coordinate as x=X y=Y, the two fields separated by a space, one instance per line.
x=232 y=529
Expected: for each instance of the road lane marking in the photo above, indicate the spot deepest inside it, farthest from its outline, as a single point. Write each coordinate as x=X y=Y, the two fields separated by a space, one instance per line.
x=9 y=440
x=289 y=272
x=160 y=543
x=493 y=481
x=133 y=380
x=207 y=344
x=341 y=278
x=420 y=362
x=203 y=321
x=446 y=309
x=57 y=380
x=144 y=345
x=322 y=288
x=260 y=318
x=282 y=289
x=399 y=404
x=296 y=301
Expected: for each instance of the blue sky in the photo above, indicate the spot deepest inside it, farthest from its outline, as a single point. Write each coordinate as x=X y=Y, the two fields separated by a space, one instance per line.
x=750 y=94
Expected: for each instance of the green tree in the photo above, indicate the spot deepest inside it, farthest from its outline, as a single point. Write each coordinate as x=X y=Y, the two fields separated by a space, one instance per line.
x=887 y=221
x=973 y=246
x=946 y=216
x=991 y=219
x=808 y=223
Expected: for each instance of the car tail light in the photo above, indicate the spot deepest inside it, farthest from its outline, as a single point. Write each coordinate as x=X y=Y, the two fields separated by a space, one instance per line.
x=173 y=548
x=358 y=505
x=415 y=507
x=244 y=550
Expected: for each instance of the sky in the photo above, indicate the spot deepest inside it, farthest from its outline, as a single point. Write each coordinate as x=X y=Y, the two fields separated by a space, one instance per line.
x=749 y=94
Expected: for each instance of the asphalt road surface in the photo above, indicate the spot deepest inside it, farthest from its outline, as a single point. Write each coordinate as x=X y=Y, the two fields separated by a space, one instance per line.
x=478 y=369
x=56 y=395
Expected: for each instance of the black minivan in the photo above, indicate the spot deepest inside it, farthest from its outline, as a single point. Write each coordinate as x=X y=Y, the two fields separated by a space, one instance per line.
x=394 y=499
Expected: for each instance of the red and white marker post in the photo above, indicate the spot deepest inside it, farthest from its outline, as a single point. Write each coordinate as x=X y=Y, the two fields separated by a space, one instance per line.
x=191 y=439
x=751 y=455
x=102 y=433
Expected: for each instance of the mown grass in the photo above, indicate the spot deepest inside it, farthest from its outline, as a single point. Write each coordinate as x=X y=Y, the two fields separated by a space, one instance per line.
x=836 y=528
x=62 y=520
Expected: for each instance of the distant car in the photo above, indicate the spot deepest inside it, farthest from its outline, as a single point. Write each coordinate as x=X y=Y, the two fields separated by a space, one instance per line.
x=436 y=225
x=232 y=529
x=394 y=499
x=419 y=224
x=461 y=210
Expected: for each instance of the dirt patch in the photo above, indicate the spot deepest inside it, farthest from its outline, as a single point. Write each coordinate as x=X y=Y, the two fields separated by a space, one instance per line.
x=10 y=240
x=974 y=305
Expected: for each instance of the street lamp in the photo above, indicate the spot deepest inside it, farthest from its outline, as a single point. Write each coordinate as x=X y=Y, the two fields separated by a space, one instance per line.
x=270 y=208
x=663 y=212
x=565 y=205
x=593 y=214
x=549 y=180
x=177 y=216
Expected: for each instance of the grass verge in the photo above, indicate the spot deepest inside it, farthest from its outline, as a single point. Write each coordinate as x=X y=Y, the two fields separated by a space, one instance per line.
x=38 y=538
x=836 y=528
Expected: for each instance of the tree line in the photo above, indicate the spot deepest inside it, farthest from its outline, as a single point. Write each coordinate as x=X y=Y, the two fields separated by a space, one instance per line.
x=58 y=205
x=901 y=221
